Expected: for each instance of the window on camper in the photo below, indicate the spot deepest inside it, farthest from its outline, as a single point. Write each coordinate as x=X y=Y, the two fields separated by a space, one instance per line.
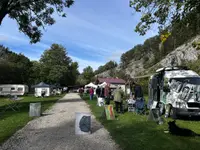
x=20 y=89
x=12 y=89
x=1 y=89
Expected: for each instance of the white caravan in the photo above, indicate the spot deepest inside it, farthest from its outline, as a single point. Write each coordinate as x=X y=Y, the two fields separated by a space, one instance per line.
x=13 y=89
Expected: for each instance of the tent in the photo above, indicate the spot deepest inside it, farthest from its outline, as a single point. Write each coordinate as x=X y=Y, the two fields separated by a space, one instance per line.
x=43 y=87
x=91 y=85
x=103 y=84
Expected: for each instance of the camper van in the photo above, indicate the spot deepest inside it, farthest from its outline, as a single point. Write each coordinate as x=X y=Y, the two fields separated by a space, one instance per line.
x=176 y=92
x=13 y=89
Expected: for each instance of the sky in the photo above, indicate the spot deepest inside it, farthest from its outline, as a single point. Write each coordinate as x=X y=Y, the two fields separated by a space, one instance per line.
x=93 y=33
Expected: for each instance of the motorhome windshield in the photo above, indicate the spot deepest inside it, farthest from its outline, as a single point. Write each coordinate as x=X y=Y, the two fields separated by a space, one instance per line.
x=195 y=81
x=188 y=88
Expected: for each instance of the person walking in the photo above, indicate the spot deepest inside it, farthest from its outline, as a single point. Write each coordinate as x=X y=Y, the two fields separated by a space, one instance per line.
x=91 y=91
x=118 y=95
x=107 y=93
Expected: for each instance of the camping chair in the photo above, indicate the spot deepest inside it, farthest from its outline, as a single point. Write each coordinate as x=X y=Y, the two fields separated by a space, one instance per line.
x=140 y=106
x=13 y=103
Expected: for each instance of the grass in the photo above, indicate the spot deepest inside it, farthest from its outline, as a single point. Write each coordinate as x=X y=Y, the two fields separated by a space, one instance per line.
x=11 y=121
x=133 y=131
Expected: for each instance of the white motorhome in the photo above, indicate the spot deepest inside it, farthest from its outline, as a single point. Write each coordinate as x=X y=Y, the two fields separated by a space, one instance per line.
x=176 y=91
x=13 y=89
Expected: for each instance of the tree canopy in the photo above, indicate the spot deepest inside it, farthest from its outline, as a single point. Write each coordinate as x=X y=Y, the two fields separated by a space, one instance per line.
x=163 y=12
x=32 y=16
x=109 y=65
x=54 y=67
x=57 y=67
x=88 y=74
x=15 y=68
x=156 y=48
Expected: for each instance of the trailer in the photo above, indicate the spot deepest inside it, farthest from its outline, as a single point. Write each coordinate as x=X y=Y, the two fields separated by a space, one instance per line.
x=13 y=89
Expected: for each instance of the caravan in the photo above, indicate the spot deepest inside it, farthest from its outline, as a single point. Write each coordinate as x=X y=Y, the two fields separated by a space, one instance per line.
x=13 y=89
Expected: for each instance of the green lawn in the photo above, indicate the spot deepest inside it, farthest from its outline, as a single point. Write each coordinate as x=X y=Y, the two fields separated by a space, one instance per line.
x=133 y=131
x=11 y=121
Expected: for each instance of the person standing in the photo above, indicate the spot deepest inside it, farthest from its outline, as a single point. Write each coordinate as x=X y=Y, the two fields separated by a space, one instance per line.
x=81 y=91
x=91 y=91
x=118 y=95
x=138 y=95
x=107 y=94
x=98 y=91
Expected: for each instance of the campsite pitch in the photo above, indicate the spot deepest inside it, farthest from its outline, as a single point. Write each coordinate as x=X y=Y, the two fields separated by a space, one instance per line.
x=133 y=131
x=56 y=130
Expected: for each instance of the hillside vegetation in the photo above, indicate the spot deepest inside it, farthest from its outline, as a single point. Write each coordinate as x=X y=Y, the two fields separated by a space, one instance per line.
x=181 y=44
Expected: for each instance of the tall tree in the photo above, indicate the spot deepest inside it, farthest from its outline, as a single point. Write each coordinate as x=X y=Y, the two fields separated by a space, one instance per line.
x=163 y=12
x=88 y=73
x=73 y=73
x=15 y=68
x=33 y=15
x=81 y=80
x=35 y=72
x=55 y=65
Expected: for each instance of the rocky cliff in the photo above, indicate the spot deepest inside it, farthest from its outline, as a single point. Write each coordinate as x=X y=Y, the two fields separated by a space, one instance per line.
x=182 y=54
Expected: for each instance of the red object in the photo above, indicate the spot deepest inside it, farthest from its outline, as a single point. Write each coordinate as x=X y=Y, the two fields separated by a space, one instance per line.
x=91 y=91
x=111 y=112
x=106 y=91
x=111 y=80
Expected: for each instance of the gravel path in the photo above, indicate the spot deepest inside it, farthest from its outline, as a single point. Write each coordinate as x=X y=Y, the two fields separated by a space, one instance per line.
x=56 y=131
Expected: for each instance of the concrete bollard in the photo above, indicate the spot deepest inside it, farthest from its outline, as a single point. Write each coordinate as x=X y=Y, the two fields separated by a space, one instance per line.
x=35 y=109
x=83 y=123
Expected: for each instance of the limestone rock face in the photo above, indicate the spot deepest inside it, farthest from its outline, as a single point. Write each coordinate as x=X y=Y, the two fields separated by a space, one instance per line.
x=183 y=53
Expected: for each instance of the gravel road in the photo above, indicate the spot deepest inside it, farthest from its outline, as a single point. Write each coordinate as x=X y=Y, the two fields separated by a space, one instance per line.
x=56 y=130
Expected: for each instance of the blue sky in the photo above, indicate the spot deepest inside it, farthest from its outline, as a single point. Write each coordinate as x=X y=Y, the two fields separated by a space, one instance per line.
x=94 y=32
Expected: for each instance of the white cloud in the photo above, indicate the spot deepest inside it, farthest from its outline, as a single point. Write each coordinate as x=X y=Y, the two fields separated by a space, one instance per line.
x=19 y=40
x=84 y=63
x=104 y=27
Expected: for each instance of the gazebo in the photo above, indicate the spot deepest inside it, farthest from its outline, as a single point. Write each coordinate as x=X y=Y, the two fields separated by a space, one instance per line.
x=91 y=85
x=43 y=87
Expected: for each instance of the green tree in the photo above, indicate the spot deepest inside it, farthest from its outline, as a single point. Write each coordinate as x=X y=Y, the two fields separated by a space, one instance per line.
x=15 y=68
x=73 y=73
x=88 y=73
x=163 y=12
x=81 y=80
x=109 y=65
x=31 y=15
x=55 y=65
x=35 y=76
